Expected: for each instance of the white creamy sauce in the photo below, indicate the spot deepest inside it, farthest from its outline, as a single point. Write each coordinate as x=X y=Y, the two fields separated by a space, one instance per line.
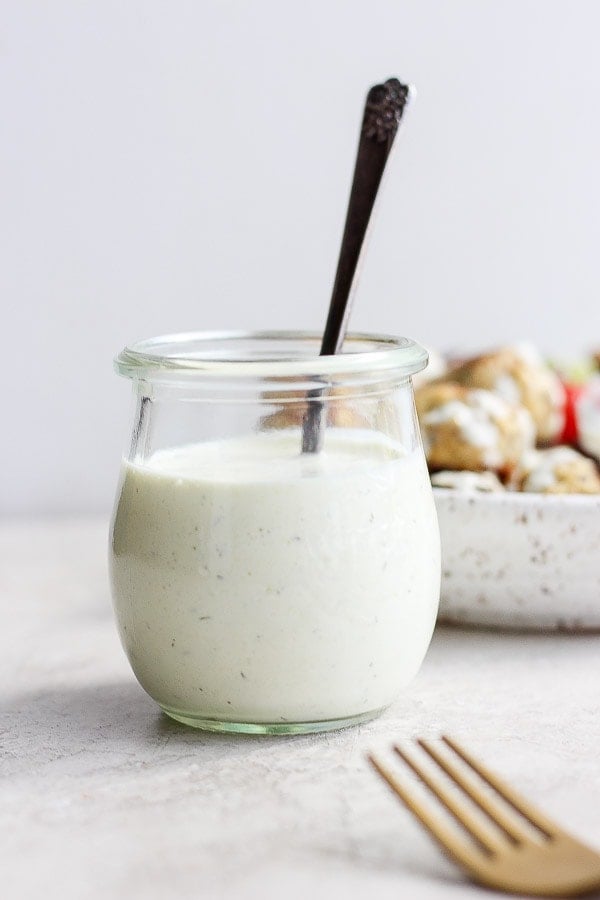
x=541 y=467
x=486 y=482
x=539 y=480
x=477 y=417
x=527 y=426
x=557 y=395
x=488 y=403
x=589 y=439
x=256 y=584
x=472 y=418
x=546 y=381
x=453 y=411
x=480 y=433
x=492 y=458
x=588 y=418
x=508 y=389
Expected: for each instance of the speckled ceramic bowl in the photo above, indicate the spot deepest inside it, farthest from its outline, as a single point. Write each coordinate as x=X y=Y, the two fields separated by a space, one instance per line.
x=520 y=560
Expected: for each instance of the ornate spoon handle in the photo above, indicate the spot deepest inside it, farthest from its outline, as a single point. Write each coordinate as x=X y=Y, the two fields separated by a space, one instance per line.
x=384 y=106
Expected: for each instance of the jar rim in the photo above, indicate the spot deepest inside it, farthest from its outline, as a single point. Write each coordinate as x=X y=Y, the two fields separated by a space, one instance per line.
x=209 y=353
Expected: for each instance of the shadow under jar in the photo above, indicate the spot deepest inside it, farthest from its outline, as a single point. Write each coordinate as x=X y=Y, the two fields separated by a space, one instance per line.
x=258 y=588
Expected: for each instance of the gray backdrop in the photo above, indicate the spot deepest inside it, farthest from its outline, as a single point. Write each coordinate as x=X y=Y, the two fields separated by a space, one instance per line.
x=185 y=165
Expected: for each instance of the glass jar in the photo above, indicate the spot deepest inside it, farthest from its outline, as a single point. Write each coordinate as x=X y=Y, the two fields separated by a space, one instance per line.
x=259 y=586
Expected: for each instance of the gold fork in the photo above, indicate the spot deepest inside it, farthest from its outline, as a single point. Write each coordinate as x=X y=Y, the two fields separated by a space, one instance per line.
x=512 y=847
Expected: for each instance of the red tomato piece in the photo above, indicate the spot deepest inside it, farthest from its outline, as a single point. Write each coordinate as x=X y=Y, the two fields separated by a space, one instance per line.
x=572 y=393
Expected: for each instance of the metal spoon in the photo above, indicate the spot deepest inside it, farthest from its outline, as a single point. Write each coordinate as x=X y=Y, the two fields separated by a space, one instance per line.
x=384 y=106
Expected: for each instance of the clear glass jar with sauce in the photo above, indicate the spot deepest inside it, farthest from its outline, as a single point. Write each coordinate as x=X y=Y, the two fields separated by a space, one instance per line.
x=257 y=587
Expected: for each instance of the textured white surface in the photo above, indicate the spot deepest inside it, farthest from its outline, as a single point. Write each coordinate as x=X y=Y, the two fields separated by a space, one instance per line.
x=520 y=560
x=104 y=797
x=173 y=166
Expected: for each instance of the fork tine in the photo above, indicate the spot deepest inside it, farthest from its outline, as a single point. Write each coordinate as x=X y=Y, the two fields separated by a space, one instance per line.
x=507 y=822
x=446 y=837
x=489 y=840
x=522 y=806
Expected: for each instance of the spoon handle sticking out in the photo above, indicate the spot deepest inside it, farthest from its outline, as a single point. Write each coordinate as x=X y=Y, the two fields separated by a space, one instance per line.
x=384 y=106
